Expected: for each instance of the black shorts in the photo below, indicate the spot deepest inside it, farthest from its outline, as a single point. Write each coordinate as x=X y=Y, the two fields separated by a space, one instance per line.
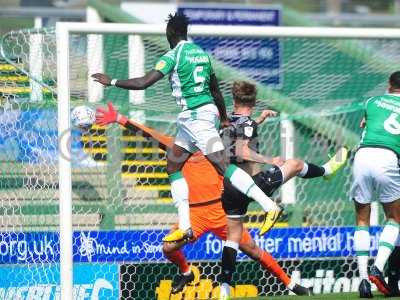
x=235 y=203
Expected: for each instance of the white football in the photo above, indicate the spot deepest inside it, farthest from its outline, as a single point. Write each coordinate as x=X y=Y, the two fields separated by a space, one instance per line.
x=83 y=116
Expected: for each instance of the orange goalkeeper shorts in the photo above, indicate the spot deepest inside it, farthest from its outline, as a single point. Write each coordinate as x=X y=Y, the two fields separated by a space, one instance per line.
x=210 y=217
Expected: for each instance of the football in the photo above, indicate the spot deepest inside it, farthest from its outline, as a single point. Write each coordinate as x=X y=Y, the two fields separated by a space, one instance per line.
x=82 y=116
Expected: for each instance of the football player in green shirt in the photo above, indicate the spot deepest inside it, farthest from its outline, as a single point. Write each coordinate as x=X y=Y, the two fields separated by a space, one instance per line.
x=376 y=176
x=195 y=87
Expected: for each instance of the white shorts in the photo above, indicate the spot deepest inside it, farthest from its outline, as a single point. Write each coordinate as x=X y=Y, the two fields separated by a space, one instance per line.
x=197 y=130
x=376 y=176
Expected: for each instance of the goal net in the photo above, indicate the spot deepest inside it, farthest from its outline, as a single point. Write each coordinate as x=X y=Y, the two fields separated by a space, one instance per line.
x=29 y=228
x=121 y=202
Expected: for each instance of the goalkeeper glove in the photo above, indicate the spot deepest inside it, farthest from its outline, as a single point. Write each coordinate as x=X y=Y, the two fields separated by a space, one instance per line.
x=104 y=117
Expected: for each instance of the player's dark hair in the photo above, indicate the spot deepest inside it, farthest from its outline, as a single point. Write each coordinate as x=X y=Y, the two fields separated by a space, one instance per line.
x=244 y=93
x=394 y=80
x=177 y=24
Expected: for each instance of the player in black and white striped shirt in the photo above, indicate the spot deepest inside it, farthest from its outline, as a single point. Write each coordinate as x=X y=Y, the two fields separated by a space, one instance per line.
x=241 y=139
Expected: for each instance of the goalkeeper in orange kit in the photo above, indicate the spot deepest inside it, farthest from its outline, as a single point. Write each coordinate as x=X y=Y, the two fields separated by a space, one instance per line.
x=206 y=212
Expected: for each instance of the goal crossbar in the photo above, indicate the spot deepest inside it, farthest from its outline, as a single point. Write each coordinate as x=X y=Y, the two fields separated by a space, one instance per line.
x=240 y=31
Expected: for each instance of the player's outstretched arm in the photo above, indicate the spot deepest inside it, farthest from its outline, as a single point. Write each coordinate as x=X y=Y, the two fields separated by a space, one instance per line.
x=218 y=99
x=105 y=117
x=139 y=83
x=266 y=114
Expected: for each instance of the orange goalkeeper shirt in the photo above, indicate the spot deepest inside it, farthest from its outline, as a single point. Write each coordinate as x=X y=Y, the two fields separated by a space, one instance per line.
x=205 y=184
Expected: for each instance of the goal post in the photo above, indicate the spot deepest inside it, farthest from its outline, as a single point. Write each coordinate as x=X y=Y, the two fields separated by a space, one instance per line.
x=65 y=182
x=106 y=189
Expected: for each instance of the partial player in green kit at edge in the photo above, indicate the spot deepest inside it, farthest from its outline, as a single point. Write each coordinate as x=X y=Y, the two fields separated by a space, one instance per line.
x=376 y=177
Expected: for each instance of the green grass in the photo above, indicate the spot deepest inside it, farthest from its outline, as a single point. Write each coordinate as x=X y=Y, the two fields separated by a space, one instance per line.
x=336 y=296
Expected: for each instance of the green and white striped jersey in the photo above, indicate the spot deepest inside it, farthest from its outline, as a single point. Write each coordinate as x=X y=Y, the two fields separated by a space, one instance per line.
x=190 y=70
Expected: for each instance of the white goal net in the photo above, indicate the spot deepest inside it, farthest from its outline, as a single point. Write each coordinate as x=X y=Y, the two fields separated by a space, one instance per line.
x=118 y=190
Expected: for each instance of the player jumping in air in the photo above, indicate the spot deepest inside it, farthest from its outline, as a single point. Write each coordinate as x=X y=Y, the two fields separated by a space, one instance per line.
x=206 y=213
x=241 y=137
x=376 y=177
x=195 y=87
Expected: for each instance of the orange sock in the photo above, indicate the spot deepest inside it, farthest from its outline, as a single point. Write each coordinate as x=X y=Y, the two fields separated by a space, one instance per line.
x=179 y=259
x=270 y=264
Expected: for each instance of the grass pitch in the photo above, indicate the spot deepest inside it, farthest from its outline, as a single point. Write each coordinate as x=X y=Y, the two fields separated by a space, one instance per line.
x=336 y=296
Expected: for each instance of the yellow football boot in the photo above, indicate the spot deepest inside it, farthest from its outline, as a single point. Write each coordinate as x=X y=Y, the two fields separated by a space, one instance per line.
x=337 y=162
x=270 y=219
x=179 y=235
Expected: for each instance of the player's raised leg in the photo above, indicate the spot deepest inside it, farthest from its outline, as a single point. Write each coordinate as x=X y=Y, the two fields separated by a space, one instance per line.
x=245 y=184
x=296 y=167
x=336 y=162
x=176 y=158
